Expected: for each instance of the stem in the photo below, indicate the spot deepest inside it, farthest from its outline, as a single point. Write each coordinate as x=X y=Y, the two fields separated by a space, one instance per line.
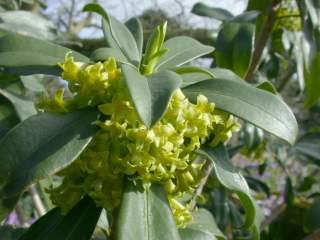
x=20 y=214
x=274 y=215
x=36 y=200
x=284 y=80
x=262 y=40
x=209 y=167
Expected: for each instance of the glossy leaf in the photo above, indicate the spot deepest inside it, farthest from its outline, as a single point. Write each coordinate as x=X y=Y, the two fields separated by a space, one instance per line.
x=103 y=222
x=268 y=86
x=38 y=147
x=202 y=227
x=182 y=50
x=231 y=179
x=256 y=106
x=27 y=55
x=23 y=106
x=150 y=94
x=135 y=27
x=33 y=83
x=79 y=223
x=202 y=9
x=145 y=215
x=234 y=46
x=28 y=23
x=102 y=54
x=116 y=34
x=189 y=78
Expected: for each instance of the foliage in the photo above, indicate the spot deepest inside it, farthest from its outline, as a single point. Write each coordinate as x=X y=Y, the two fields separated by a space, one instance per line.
x=135 y=142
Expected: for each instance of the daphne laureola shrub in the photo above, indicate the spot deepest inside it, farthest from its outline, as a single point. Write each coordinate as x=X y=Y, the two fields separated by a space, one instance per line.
x=145 y=138
x=126 y=147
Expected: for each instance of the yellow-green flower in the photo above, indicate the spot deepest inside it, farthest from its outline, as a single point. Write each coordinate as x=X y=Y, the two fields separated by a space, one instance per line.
x=124 y=146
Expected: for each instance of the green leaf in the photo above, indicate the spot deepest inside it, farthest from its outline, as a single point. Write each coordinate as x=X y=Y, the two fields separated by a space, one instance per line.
x=150 y=94
x=11 y=233
x=182 y=50
x=309 y=146
x=135 y=27
x=268 y=86
x=231 y=179
x=8 y=116
x=202 y=227
x=103 y=222
x=28 y=23
x=33 y=83
x=26 y=55
x=312 y=83
x=258 y=185
x=256 y=106
x=311 y=217
x=289 y=192
x=191 y=75
x=220 y=207
x=79 y=223
x=116 y=34
x=189 y=78
x=204 y=10
x=306 y=184
x=40 y=146
x=102 y=54
x=6 y=78
x=234 y=46
x=145 y=214
x=23 y=106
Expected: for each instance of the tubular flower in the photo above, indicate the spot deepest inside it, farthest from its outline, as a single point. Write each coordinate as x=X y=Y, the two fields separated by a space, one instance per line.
x=124 y=146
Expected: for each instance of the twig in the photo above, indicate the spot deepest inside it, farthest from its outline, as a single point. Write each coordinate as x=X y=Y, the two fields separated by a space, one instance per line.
x=20 y=215
x=274 y=215
x=287 y=76
x=199 y=189
x=36 y=200
x=262 y=41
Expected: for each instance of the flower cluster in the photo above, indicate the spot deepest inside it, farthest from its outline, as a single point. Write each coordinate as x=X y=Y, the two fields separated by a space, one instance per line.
x=124 y=146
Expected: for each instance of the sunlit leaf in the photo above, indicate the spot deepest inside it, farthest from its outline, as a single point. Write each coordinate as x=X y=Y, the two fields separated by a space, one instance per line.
x=150 y=94
x=145 y=214
x=135 y=27
x=28 y=23
x=256 y=106
x=231 y=179
x=182 y=50
x=203 y=226
x=27 y=55
x=116 y=34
